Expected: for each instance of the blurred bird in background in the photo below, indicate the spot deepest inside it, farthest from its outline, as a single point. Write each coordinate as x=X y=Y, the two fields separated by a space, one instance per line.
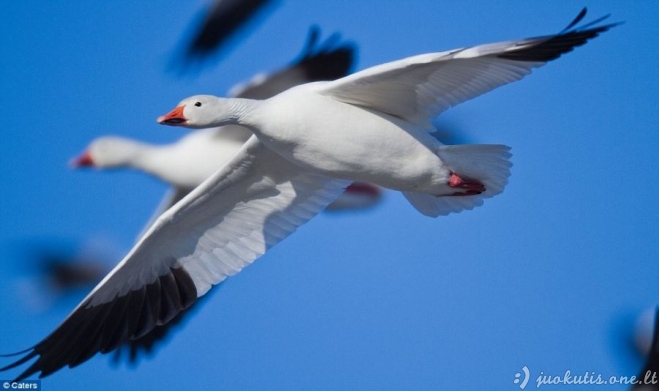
x=187 y=162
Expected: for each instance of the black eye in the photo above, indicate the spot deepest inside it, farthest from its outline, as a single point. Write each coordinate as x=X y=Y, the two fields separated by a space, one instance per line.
x=198 y=104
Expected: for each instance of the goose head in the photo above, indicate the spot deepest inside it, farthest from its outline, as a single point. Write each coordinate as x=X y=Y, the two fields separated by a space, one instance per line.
x=200 y=111
x=107 y=152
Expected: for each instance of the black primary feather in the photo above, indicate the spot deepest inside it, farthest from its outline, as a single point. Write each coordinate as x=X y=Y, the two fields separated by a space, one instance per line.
x=105 y=327
x=543 y=49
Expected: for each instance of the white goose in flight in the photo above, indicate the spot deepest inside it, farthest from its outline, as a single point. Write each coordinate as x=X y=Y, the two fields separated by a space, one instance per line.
x=310 y=142
x=186 y=163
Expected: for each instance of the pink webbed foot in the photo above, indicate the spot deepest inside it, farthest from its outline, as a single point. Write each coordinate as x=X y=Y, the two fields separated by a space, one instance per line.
x=472 y=186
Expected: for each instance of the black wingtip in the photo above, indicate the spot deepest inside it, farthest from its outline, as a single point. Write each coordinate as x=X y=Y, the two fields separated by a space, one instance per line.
x=28 y=372
x=543 y=49
x=31 y=353
x=312 y=39
x=571 y=28
x=576 y=20
x=328 y=60
x=16 y=354
x=106 y=326
x=146 y=345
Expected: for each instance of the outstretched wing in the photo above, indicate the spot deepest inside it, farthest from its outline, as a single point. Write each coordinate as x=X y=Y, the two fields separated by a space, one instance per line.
x=419 y=88
x=326 y=61
x=234 y=217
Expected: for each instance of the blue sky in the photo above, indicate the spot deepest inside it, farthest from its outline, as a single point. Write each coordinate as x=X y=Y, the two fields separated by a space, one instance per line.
x=546 y=275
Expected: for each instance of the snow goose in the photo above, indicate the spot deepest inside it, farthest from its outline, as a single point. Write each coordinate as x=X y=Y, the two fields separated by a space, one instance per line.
x=373 y=126
x=279 y=180
x=186 y=163
x=193 y=158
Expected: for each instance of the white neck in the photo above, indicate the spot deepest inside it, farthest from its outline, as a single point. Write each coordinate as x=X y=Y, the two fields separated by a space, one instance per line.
x=155 y=160
x=242 y=112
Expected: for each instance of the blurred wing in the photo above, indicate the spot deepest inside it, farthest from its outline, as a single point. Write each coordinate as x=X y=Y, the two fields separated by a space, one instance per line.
x=223 y=20
x=419 y=88
x=651 y=367
x=234 y=217
x=327 y=61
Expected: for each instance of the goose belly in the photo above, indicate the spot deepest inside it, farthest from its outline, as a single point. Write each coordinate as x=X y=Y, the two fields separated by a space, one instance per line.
x=341 y=140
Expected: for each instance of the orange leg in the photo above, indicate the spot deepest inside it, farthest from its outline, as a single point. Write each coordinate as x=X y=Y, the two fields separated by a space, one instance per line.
x=471 y=186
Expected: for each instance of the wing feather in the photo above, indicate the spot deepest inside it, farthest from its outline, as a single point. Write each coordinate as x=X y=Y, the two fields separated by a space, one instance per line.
x=419 y=88
x=231 y=219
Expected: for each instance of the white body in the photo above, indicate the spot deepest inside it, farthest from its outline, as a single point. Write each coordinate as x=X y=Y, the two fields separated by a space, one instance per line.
x=349 y=142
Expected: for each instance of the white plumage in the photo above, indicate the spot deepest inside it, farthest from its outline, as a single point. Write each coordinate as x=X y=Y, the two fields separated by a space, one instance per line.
x=309 y=143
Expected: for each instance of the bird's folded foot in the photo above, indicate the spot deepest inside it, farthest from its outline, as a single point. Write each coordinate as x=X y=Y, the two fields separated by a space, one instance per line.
x=471 y=186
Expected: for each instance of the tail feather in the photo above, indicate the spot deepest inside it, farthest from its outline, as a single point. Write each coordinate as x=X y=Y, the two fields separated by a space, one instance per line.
x=489 y=164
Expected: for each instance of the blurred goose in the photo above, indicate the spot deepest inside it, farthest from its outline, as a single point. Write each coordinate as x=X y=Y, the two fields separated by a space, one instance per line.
x=310 y=142
x=57 y=271
x=188 y=162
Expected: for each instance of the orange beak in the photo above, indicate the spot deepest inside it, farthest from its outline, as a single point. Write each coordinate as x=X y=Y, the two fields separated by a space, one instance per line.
x=174 y=117
x=84 y=160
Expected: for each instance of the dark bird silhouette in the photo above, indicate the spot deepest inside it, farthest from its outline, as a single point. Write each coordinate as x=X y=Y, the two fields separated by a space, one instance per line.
x=648 y=379
x=225 y=21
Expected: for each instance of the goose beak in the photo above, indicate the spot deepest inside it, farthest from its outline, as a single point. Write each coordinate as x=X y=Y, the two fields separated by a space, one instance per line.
x=84 y=160
x=174 y=117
